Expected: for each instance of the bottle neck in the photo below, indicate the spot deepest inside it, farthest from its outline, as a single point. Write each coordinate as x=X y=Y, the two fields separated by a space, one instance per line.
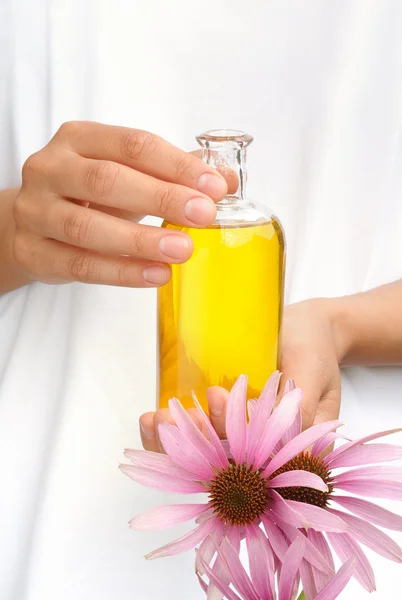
x=225 y=150
x=230 y=161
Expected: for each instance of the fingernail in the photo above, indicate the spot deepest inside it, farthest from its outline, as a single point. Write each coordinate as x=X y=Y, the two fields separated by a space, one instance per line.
x=213 y=186
x=200 y=211
x=156 y=275
x=216 y=404
x=147 y=432
x=174 y=246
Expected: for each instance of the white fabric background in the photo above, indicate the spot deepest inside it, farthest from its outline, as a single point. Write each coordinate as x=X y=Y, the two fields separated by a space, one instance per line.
x=318 y=83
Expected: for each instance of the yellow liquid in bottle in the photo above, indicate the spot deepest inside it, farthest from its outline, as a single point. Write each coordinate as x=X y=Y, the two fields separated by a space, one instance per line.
x=219 y=316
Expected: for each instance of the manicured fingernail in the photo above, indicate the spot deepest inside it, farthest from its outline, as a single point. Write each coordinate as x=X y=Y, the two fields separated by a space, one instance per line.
x=213 y=186
x=175 y=246
x=147 y=432
x=200 y=211
x=156 y=275
x=216 y=404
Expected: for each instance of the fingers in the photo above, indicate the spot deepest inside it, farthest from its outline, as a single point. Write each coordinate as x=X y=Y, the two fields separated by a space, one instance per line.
x=144 y=152
x=217 y=402
x=111 y=184
x=149 y=423
x=321 y=389
x=328 y=408
x=148 y=432
x=230 y=176
x=53 y=262
x=93 y=230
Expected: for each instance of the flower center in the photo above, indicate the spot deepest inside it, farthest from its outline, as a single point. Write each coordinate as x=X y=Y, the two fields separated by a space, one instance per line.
x=238 y=495
x=306 y=462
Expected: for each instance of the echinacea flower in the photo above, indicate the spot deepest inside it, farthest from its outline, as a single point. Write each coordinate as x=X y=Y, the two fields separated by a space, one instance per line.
x=371 y=481
x=260 y=584
x=240 y=494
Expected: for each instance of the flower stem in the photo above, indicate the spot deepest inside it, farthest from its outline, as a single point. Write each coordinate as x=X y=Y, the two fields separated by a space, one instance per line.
x=302 y=596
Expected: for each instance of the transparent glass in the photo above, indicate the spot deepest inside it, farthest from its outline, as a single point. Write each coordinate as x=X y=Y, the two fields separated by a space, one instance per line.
x=220 y=314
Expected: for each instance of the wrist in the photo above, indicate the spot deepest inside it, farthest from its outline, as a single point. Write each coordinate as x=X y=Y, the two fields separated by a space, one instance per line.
x=337 y=311
x=11 y=275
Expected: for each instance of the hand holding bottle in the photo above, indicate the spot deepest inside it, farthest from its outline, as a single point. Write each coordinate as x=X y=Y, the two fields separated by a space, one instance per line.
x=318 y=337
x=76 y=214
x=308 y=355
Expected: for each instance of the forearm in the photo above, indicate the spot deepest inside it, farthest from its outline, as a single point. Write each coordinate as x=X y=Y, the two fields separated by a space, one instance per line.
x=368 y=326
x=11 y=276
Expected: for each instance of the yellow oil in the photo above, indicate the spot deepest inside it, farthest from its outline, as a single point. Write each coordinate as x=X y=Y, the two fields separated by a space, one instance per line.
x=219 y=316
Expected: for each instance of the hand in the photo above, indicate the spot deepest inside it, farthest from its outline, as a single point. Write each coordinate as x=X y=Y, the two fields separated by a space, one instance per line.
x=149 y=422
x=309 y=354
x=82 y=197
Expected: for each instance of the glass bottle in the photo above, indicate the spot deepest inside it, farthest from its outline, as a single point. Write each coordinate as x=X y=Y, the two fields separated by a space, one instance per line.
x=219 y=316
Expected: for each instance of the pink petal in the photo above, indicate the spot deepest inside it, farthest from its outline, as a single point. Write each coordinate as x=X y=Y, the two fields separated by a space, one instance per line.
x=260 y=416
x=320 y=519
x=220 y=571
x=236 y=424
x=368 y=438
x=377 y=488
x=157 y=462
x=207 y=549
x=163 y=517
x=372 y=537
x=190 y=431
x=296 y=426
x=226 y=449
x=240 y=579
x=221 y=458
x=289 y=386
x=376 y=471
x=318 y=540
x=219 y=583
x=222 y=574
x=308 y=581
x=298 y=478
x=202 y=583
x=311 y=554
x=261 y=560
x=220 y=567
x=325 y=441
x=295 y=429
x=370 y=512
x=161 y=481
x=184 y=543
x=281 y=509
x=363 y=455
x=298 y=444
x=251 y=404
x=338 y=582
x=345 y=547
x=205 y=516
x=275 y=537
x=279 y=422
x=290 y=568
x=184 y=453
x=275 y=450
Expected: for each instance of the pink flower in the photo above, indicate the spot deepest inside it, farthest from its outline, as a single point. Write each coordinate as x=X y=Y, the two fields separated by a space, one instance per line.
x=260 y=585
x=370 y=481
x=240 y=491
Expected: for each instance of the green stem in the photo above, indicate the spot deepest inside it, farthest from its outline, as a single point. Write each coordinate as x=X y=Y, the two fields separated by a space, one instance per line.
x=302 y=596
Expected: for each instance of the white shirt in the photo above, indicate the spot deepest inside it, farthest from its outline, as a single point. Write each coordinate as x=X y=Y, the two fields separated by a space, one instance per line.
x=318 y=84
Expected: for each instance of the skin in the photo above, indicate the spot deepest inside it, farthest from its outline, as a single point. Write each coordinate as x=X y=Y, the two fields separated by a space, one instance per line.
x=76 y=217
x=319 y=336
